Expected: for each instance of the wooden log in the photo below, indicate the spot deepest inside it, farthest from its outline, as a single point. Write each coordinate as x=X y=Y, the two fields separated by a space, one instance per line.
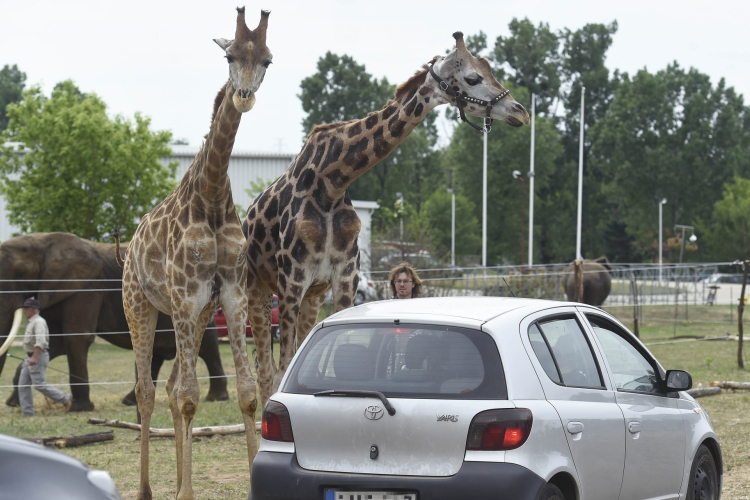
x=221 y=430
x=739 y=386
x=72 y=441
x=704 y=391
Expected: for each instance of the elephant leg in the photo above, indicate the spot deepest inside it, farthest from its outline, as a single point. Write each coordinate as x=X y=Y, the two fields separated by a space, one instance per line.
x=156 y=364
x=209 y=353
x=13 y=399
x=78 y=353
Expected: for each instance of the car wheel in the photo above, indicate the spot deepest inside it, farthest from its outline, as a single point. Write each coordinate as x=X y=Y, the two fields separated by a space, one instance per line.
x=704 y=483
x=550 y=492
x=359 y=299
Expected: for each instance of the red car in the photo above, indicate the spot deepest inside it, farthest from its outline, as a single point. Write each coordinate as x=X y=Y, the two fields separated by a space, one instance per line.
x=221 y=321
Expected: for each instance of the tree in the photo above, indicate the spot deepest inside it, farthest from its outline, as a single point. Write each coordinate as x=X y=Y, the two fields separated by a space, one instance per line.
x=532 y=54
x=12 y=81
x=727 y=237
x=668 y=135
x=74 y=169
x=507 y=150
x=437 y=209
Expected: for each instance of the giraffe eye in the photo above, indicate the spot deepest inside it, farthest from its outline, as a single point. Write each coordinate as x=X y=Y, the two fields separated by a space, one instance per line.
x=267 y=63
x=473 y=80
x=230 y=58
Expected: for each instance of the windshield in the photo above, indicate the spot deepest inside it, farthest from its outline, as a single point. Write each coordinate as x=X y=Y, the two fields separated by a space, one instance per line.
x=410 y=361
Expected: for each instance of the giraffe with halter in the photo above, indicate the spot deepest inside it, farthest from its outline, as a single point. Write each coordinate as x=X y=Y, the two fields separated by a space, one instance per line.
x=187 y=257
x=302 y=230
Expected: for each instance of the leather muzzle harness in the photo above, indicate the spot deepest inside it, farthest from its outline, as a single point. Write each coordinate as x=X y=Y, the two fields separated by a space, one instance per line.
x=462 y=99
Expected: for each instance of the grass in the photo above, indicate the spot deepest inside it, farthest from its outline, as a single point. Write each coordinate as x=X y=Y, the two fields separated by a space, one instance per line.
x=220 y=467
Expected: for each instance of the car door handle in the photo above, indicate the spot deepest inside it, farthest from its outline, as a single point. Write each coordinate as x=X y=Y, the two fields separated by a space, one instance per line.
x=575 y=427
x=634 y=427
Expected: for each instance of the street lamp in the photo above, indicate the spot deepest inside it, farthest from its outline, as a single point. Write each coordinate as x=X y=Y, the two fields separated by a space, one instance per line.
x=453 y=227
x=400 y=195
x=517 y=175
x=661 y=249
x=693 y=238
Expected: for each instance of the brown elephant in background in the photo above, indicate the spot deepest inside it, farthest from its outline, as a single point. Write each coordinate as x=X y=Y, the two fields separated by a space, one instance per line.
x=62 y=256
x=597 y=282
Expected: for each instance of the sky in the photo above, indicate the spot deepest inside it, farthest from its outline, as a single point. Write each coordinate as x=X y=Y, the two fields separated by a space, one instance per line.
x=158 y=58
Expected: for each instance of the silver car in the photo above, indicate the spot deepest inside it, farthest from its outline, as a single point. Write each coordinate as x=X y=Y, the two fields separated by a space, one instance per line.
x=482 y=398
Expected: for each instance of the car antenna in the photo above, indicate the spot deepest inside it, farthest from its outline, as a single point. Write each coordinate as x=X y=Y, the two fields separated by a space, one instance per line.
x=509 y=288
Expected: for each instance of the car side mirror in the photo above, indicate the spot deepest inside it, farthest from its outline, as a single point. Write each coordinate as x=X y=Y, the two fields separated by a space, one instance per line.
x=679 y=380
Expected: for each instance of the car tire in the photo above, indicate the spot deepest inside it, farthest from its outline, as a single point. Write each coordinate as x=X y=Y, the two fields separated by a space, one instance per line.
x=360 y=298
x=550 y=492
x=704 y=479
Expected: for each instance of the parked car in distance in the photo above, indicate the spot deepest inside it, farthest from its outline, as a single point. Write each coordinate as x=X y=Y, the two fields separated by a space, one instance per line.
x=31 y=471
x=221 y=321
x=717 y=278
x=482 y=398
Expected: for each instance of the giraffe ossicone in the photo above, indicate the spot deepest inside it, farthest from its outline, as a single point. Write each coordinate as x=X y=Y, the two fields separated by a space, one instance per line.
x=187 y=257
x=302 y=230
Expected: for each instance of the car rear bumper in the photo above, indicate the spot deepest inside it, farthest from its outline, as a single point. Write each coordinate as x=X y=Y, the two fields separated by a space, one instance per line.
x=278 y=476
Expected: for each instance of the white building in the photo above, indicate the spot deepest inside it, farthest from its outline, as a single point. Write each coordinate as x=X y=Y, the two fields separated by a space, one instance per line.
x=245 y=167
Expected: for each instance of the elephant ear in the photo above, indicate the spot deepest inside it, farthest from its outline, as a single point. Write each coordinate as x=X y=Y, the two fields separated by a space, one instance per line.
x=67 y=257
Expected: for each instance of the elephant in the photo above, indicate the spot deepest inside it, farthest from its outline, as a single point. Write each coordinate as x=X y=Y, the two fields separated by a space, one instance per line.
x=55 y=257
x=597 y=282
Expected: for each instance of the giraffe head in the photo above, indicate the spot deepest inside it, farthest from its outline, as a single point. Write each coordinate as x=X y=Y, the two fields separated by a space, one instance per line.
x=473 y=76
x=248 y=59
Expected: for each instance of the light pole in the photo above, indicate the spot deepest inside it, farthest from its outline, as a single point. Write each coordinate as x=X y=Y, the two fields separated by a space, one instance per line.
x=662 y=202
x=693 y=238
x=453 y=227
x=517 y=175
x=531 y=183
x=400 y=195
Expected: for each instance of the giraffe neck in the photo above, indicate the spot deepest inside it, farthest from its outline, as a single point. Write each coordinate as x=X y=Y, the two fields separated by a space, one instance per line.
x=343 y=153
x=210 y=177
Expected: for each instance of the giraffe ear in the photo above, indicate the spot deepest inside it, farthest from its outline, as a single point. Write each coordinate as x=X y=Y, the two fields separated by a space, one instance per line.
x=223 y=43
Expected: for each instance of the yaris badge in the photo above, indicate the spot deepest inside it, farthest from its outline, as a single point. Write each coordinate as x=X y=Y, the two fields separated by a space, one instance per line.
x=373 y=412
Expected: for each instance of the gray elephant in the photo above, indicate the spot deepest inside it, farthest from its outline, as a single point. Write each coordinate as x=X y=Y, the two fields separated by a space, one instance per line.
x=597 y=282
x=61 y=256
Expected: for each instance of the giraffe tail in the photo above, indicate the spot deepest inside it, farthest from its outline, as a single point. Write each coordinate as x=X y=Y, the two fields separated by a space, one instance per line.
x=116 y=236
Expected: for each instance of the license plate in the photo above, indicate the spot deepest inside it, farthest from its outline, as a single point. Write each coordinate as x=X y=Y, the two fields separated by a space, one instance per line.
x=368 y=495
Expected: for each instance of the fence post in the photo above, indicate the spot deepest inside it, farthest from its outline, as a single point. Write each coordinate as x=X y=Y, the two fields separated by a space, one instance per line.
x=634 y=290
x=740 y=311
x=578 y=266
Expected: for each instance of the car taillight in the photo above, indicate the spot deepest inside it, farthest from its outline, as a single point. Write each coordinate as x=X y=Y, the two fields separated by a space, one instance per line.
x=276 y=426
x=498 y=430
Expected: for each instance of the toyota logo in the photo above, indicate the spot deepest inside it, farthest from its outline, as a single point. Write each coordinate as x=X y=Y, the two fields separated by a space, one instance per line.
x=373 y=412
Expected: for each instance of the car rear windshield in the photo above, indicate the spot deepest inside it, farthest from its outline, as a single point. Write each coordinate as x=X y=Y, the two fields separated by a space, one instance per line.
x=409 y=361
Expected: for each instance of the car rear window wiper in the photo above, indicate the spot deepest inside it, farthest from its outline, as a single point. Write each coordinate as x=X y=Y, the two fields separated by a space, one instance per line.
x=360 y=394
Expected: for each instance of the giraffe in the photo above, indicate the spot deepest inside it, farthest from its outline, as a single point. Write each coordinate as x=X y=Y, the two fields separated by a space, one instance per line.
x=187 y=256
x=302 y=230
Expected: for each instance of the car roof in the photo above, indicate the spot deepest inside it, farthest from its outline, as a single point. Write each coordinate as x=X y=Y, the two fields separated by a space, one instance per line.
x=13 y=447
x=449 y=310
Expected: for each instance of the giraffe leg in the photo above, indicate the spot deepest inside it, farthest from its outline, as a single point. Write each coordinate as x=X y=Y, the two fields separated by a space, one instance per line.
x=142 y=316
x=308 y=316
x=234 y=303
x=344 y=289
x=188 y=332
x=289 y=307
x=174 y=376
x=260 y=320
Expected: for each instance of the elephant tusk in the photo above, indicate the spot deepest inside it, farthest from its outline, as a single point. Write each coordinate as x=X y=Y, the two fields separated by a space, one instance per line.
x=13 y=331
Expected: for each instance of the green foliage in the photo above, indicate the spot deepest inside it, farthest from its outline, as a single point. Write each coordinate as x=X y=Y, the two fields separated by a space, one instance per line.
x=12 y=81
x=728 y=235
x=81 y=172
x=532 y=53
x=437 y=209
x=257 y=187
x=668 y=135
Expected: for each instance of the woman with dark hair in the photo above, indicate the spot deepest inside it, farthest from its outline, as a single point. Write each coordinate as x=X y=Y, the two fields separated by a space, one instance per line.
x=405 y=284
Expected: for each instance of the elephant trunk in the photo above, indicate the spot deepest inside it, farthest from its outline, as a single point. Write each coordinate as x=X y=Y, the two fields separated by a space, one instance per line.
x=7 y=341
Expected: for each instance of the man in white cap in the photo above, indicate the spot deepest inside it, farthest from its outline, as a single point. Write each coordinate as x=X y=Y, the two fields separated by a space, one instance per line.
x=34 y=367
